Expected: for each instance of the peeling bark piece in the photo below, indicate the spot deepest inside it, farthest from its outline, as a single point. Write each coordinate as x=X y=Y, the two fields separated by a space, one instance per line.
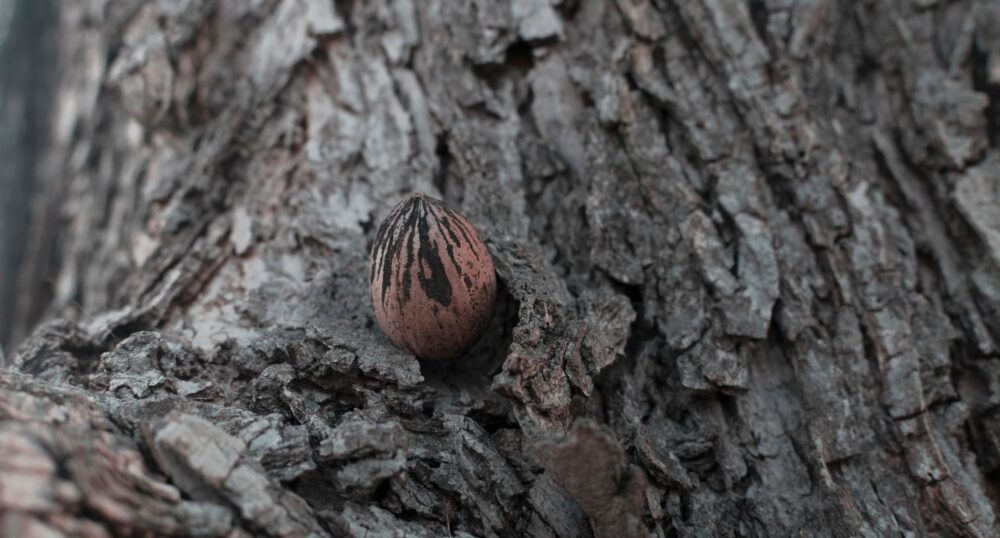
x=832 y=378
x=618 y=227
x=899 y=362
x=360 y=439
x=986 y=282
x=608 y=319
x=485 y=468
x=977 y=194
x=283 y=41
x=535 y=19
x=197 y=455
x=953 y=116
x=466 y=18
x=662 y=464
x=557 y=510
x=642 y=18
x=242 y=232
x=758 y=274
x=591 y=467
x=365 y=475
x=282 y=449
x=556 y=107
x=143 y=72
x=323 y=18
x=708 y=367
x=137 y=362
x=714 y=259
x=208 y=463
x=683 y=302
x=384 y=361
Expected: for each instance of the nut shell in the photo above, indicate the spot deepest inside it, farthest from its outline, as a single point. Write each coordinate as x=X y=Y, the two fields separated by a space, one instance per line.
x=433 y=284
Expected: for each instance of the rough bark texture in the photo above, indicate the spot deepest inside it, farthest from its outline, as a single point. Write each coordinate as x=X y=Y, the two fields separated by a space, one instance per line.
x=749 y=254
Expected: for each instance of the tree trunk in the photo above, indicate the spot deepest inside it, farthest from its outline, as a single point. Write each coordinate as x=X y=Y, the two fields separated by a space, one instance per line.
x=749 y=257
x=26 y=78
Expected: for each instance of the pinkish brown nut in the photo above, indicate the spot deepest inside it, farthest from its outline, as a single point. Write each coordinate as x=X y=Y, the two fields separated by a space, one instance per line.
x=432 y=279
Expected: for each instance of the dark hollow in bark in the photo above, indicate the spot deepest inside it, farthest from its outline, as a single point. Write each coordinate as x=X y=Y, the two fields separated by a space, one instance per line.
x=749 y=259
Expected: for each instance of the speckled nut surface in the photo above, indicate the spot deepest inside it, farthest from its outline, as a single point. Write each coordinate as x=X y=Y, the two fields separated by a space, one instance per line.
x=432 y=279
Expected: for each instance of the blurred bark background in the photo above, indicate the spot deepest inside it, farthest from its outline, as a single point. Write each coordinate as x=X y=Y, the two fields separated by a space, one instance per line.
x=749 y=253
x=27 y=71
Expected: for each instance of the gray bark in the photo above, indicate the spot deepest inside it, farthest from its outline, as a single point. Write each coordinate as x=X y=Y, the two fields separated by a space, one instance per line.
x=27 y=52
x=749 y=254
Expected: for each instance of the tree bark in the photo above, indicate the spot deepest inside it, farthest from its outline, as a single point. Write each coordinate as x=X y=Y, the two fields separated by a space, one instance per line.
x=749 y=257
x=27 y=52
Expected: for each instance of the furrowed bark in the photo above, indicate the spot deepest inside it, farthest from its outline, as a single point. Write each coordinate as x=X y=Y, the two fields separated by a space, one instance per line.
x=749 y=257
